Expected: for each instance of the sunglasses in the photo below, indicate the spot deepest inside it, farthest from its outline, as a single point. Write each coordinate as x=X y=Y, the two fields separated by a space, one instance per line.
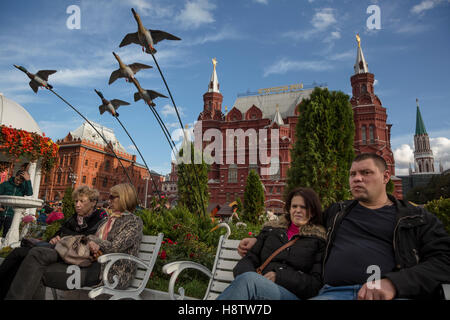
x=111 y=197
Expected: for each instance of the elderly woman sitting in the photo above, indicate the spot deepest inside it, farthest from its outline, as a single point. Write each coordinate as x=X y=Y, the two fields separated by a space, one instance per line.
x=120 y=233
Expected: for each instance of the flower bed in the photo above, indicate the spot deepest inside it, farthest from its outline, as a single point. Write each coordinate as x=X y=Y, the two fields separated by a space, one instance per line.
x=23 y=144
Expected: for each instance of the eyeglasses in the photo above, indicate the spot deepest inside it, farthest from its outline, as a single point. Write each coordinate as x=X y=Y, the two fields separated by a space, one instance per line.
x=111 y=197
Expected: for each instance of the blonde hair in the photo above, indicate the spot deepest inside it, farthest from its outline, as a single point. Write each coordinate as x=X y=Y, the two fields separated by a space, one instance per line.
x=128 y=200
x=91 y=193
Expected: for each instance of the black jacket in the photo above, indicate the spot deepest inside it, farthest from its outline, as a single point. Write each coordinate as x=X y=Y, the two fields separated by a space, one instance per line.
x=421 y=248
x=297 y=268
x=89 y=226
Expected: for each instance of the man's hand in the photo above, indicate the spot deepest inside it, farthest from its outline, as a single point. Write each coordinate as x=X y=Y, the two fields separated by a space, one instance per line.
x=26 y=175
x=271 y=275
x=54 y=240
x=245 y=245
x=386 y=290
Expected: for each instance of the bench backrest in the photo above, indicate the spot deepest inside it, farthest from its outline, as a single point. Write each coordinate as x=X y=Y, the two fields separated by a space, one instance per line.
x=148 y=251
x=222 y=274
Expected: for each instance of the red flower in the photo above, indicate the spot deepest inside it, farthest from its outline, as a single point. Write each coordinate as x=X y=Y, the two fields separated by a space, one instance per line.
x=250 y=233
x=163 y=255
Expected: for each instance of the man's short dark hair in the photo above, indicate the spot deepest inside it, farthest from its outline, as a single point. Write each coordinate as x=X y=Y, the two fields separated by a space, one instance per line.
x=379 y=160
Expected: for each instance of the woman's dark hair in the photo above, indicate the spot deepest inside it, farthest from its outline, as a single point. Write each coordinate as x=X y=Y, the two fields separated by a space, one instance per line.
x=312 y=202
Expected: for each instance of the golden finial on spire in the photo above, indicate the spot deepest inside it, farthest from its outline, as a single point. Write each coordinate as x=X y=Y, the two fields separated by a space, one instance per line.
x=214 y=61
x=358 y=39
x=417 y=102
x=186 y=126
x=226 y=109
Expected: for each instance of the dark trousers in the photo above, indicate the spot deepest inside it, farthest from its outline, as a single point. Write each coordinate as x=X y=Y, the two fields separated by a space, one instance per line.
x=9 y=267
x=42 y=266
x=6 y=222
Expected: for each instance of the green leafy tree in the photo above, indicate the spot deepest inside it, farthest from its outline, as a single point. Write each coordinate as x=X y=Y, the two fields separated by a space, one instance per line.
x=441 y=208
x=68 y=204
x=323 y=149
x=253 y=198
x=437 y=187
x=193 y=183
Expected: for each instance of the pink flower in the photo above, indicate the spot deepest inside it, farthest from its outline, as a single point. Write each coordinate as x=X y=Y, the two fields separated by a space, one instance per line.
x=54 y=216
x=28 y=218
x=250 y=233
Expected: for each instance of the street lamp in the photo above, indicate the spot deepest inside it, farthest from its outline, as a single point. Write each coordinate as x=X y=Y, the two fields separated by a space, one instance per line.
x=73 y=177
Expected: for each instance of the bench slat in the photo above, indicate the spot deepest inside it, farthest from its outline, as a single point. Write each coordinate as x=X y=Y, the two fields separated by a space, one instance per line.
x=149 y=239
x=145 y=256
x=226 y=264
x=231 y=244
x=147 y=247
x=226 y=276
x=229 y=254
x=212 y=296
x=219 y=287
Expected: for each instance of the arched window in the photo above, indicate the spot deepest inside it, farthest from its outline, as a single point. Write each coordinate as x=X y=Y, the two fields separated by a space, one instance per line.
x=363 y=135
x=364 y=88
x=372 y=140
x=232 y=173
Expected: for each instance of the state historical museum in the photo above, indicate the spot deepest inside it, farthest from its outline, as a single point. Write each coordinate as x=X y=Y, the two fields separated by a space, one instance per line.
x=277 y=108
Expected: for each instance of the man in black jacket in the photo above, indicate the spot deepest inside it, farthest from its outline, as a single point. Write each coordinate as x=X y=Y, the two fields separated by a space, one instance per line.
x=378 y=247
x=85 y=221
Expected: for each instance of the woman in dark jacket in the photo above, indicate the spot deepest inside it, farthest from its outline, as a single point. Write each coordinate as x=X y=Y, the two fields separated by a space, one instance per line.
x=86 y=220
x=295 y=273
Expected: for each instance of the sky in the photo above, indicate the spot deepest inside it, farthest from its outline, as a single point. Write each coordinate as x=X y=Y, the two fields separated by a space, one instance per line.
x=257 y=43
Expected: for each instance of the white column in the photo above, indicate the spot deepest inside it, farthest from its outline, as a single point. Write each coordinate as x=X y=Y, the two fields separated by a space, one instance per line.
x=12 y=237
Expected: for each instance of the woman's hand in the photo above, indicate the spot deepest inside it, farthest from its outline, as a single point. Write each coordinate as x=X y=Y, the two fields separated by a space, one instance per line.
x=245 y=245
x=95 y=249
x=271 y=275
x=54 y=240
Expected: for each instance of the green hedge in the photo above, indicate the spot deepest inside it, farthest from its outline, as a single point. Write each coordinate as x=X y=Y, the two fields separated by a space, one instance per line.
x=441 y=208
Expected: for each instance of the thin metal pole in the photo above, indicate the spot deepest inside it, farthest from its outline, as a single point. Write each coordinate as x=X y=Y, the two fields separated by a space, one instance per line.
x=149 y=172
x=106 y=142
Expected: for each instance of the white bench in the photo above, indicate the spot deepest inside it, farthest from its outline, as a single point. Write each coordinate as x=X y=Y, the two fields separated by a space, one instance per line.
x=222 y=271
x=148 y=253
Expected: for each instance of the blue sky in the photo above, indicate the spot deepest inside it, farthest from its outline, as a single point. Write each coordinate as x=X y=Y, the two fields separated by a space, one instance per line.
x=258 y=44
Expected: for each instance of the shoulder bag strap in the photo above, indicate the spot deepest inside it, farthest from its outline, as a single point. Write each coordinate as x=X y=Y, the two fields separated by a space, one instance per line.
x=274 y=254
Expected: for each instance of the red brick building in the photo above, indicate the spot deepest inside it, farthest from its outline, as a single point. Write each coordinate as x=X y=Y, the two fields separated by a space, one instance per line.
x=276 y=108
x=84 y=159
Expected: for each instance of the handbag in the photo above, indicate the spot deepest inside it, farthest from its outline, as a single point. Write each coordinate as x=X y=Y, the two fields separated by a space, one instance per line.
x=75 y=250
x=260 y=269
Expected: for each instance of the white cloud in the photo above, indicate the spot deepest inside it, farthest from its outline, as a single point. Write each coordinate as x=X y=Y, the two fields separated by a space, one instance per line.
x=323 y=18
x=169 y=110
x=404 y=155
x=226 y=33
x=284 y=65
x=195 y=13
x=424 y=6
x=350 y=54
x=262 y=1
x=375 y=83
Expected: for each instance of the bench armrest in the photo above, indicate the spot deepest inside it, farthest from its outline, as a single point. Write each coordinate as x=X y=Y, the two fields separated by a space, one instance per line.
x=110 y=259
x=175 y=268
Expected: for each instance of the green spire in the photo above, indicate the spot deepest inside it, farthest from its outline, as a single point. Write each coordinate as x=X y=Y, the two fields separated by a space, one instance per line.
x=420 y=126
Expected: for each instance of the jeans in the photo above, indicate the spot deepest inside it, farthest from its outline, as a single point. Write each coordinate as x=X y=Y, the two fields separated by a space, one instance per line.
x=338 y=293
x=252 y=286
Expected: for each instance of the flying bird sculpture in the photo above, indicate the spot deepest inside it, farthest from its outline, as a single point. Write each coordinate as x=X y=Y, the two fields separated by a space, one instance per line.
x=126 y=71
x=110 y=106
x=145 y=37
x=39 y=79
x=147 y=95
